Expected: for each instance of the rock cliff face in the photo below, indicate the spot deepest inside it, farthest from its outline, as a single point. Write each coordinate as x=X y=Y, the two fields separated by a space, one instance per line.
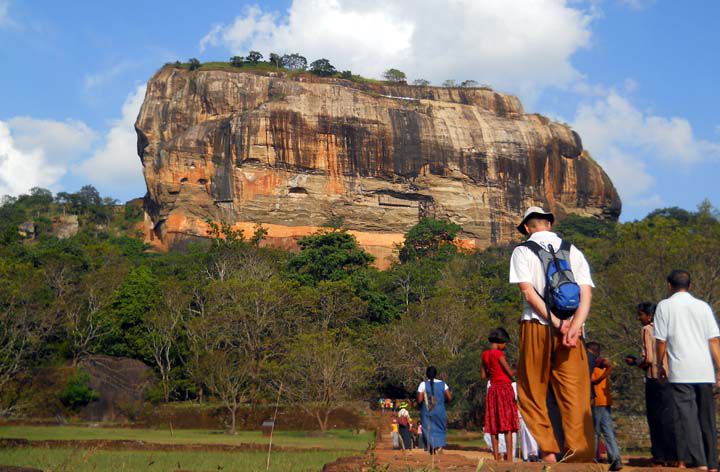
x=291 y=153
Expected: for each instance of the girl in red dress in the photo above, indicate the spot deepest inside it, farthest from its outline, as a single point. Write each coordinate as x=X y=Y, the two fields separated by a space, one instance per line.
x=501 y=414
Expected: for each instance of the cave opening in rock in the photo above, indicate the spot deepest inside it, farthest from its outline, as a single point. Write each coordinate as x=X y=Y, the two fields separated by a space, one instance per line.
x=299 y=191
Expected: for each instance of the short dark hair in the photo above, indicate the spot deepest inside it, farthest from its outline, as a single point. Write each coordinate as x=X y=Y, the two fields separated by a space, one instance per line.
x=538 y=217
x=592 y=345
x=431 y=372
x=647 y=307
x=499 y=335
x=679 y=279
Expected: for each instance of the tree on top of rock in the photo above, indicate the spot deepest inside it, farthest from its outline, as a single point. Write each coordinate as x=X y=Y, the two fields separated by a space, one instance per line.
x=194 y=64
x=294 y=61
x=89 y=195
x=421 y=82
x=276 y=60
x=394 y=75
x=322 y=68
x=254 y=57
x=469 y=83
x=237 y=61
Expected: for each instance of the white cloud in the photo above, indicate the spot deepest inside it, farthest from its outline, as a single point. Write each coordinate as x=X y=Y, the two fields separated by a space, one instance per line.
x=514 y=45
x=628 y=142
x=5 y=19
x=614 y=121
x=38 y=153
x=630 y=85
x=22 y=168
x=636 y=4
x=115 y=165
x=60 y=142
x=101 y=78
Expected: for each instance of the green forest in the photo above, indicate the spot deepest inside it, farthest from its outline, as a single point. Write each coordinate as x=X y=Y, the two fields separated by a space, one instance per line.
x=229 y=320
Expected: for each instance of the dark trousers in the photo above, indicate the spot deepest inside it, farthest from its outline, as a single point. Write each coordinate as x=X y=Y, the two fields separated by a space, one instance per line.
x=661 y=422
x=696 y=431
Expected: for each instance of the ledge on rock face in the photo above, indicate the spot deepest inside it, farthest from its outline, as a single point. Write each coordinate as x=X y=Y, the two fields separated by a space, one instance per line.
x=291 y=152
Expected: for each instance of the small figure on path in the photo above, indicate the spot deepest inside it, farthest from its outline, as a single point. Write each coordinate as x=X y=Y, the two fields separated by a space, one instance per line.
x=432 y=394
x=404 y=426
x=395 y=433
x=501 y=414
x=658 y=396
x=686 y=329
x=602 y=409
x=551 y=351
x=420 y=441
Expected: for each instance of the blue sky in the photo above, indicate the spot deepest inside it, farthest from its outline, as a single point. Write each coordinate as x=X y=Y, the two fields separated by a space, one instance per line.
x=636 y=78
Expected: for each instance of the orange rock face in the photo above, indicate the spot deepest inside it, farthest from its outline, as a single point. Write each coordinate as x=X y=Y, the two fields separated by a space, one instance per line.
x=291 y=153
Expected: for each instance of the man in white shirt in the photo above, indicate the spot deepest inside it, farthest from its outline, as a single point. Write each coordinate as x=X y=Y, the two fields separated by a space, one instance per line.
x=568 y=375
x=686 y=329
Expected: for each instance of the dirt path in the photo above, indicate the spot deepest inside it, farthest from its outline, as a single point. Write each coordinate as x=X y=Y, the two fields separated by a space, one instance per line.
x=459 y=459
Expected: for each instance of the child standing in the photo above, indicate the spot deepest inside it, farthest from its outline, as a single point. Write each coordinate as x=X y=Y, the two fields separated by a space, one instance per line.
x=501 y=413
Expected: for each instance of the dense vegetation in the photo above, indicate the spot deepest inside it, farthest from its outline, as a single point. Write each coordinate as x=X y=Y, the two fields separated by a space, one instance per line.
x=233 y=320
x=295 y=64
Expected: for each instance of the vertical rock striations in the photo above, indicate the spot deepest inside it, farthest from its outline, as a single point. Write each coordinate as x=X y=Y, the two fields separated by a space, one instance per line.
x=291 y=153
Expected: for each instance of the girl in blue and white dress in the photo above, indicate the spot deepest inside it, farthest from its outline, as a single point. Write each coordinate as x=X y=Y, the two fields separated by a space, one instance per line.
x=432 y=394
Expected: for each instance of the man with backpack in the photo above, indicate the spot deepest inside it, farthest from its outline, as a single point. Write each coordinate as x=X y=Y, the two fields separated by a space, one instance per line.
x=554 y=279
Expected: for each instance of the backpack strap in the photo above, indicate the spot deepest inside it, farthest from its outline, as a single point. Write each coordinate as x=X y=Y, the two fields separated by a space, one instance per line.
x=533 y=246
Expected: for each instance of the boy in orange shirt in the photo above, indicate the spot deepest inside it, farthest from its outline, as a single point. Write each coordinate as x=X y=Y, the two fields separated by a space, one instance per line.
x=602 y=408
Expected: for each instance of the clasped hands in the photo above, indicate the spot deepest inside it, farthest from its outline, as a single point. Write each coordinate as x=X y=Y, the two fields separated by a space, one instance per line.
x=569 y=330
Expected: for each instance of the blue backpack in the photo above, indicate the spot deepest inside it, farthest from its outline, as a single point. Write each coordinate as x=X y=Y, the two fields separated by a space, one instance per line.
x=562 y=293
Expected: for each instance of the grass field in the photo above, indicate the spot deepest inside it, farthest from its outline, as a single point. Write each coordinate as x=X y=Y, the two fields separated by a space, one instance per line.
x=335 y=444
x=465 y=438
x=89 y=460
x=334 y=439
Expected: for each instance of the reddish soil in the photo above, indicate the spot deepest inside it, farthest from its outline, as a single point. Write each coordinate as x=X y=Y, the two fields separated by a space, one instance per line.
x=460 y=459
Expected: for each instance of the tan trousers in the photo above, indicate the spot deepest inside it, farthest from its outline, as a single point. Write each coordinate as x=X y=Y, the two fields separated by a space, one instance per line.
x=570 y=380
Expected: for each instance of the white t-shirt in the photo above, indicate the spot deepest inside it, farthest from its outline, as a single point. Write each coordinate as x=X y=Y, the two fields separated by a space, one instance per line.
x=686 y=324
x=525 y=266
x=421 y=387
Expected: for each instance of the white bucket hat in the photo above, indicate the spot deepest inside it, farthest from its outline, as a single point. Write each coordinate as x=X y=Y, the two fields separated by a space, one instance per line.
x=537 y=211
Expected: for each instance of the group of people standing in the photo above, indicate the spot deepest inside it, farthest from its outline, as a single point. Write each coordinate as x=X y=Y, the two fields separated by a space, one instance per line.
x=562 y=389
x=681 y=342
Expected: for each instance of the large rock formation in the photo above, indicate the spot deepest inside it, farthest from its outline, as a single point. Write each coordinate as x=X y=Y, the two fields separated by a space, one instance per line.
x=292 y=152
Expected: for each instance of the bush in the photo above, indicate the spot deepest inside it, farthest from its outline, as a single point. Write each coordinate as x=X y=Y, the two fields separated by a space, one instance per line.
x=78 y=393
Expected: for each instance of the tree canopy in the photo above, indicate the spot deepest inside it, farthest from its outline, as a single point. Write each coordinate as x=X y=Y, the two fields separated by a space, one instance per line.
x=394 y=75
x=232 y=320
x=322 y=68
